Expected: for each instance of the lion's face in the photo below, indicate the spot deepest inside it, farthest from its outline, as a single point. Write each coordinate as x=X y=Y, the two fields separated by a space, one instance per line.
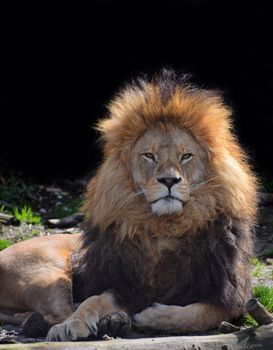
x=167 y=168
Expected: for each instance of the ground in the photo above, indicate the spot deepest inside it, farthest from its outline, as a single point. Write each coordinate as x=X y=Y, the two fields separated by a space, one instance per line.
x=32 y=205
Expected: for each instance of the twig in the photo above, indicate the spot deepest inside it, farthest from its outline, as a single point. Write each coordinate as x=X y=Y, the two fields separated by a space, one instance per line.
x=6 y=218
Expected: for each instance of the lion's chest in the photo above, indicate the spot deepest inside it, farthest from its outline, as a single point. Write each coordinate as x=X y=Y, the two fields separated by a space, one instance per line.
x=155 y=267
x=158 y=272
x=177 y=271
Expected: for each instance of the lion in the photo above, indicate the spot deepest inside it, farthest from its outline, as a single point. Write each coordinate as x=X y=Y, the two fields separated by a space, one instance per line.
x=168 y=224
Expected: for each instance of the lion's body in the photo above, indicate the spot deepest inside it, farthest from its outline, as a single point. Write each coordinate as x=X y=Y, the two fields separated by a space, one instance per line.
x=169 y=215
x=33 y=271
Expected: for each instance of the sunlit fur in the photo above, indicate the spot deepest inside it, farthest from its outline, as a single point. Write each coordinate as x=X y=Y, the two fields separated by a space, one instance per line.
x=165 y=103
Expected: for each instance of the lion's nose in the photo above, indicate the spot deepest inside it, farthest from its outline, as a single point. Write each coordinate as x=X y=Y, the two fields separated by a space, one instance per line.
x=169 y=181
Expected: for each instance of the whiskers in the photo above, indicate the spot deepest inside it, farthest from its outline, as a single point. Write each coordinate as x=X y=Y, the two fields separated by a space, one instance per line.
x=202 y=182
x=193 y=187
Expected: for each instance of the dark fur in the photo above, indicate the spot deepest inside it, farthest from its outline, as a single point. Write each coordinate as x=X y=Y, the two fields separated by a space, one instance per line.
x=35 y=326
x=211 y=266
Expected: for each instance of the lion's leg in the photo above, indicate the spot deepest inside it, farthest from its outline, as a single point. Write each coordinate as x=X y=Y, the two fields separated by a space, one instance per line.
x=84 y=321
x=52 y=303
x=56 y=303
x=178 y=319
x=48 y=299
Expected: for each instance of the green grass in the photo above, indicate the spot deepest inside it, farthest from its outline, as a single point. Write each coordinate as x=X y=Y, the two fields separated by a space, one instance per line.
x=4 y=244
x=26 y=215
x=21 y=195
x=35 y=232
x=258 y=266
x=248 y=321
x=265 y=295
x=2 y=209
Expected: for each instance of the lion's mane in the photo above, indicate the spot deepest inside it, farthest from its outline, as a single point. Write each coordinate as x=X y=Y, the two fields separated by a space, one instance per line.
x=209 y=243
x=164 y=102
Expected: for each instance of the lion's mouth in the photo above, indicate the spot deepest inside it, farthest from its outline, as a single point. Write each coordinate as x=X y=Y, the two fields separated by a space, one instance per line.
x=168 y=199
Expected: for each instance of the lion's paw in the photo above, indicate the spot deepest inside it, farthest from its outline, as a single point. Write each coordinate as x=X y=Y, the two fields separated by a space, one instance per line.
x=157 y=317
x=35 y=326
x=117 y=324
x=72 y=330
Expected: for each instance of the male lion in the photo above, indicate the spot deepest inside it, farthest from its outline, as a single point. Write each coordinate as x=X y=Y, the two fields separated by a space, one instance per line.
x=168 y=224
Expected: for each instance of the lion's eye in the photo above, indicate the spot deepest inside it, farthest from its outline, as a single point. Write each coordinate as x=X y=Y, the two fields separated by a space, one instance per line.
x=149 y=156
x=186 y=157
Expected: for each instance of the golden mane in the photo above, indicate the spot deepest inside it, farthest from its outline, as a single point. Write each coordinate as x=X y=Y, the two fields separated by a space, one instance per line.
x=165 y=102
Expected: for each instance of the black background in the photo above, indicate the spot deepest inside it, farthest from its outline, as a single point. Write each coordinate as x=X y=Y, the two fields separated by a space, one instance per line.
x=64 y=60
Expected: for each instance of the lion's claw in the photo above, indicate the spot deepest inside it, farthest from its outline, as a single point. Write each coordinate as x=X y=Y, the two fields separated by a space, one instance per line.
x=72 y=330
x=115 y=324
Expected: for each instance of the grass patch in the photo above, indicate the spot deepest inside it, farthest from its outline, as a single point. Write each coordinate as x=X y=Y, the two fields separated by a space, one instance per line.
x=26 y=215
x=257 y=267
x=249 y=321
x=21 y=195
x=265 y=295
x=35 y=232
x=4 y=244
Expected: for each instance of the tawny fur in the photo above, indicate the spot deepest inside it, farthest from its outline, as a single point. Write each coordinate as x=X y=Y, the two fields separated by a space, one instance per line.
x=36 y=275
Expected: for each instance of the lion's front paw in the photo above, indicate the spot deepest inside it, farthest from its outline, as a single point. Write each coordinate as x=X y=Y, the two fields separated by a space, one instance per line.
x=117 y=324
x=157 y=317
x=71 y=330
